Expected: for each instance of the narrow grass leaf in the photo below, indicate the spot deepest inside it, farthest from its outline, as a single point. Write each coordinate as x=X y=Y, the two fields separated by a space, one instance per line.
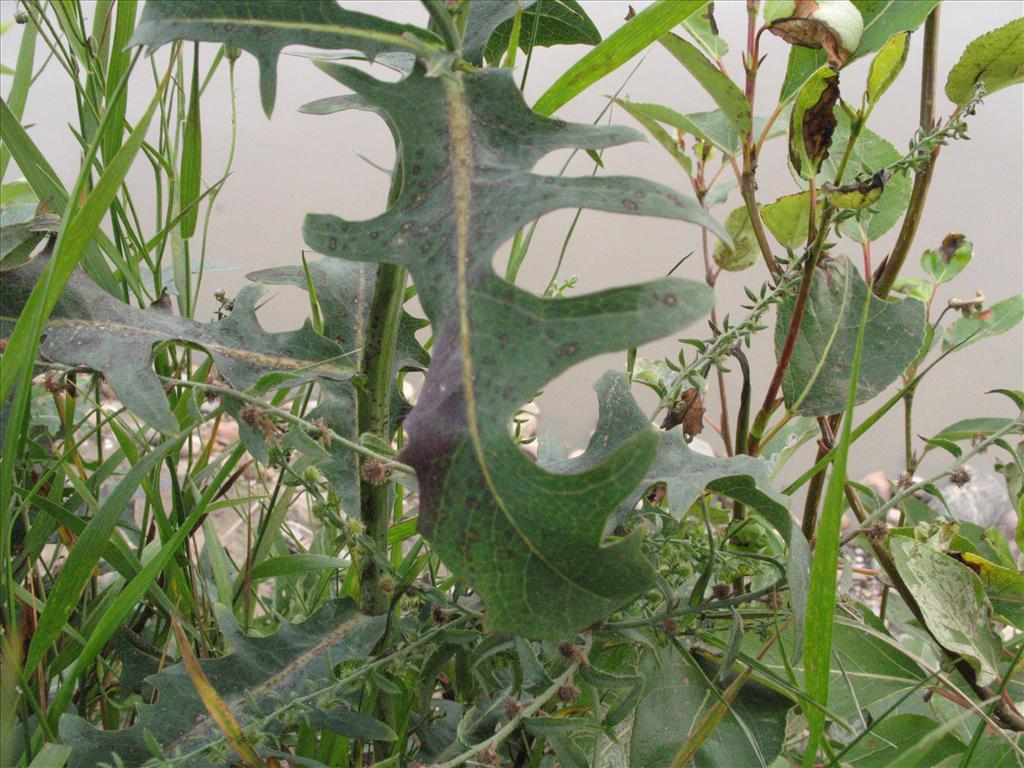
x=84 y=556
x=215 y=704
x=616 y=49
x=822 y=595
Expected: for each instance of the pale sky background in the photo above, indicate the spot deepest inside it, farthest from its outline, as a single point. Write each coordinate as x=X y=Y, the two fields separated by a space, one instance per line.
x=294 y=163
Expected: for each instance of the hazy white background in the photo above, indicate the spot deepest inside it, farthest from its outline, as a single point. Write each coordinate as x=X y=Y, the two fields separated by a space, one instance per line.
x=294 y=163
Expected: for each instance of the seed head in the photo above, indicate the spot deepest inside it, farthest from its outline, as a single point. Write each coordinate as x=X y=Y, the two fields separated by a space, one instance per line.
x=568 y=693
x=721 y=590
x=375 y=472
x=513 y=708
x=572 y=652
x=258 y=419
x=487 y=757
x=960 y=477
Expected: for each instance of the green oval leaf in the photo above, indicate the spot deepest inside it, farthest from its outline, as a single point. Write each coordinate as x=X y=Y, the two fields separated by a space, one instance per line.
x=995 y=60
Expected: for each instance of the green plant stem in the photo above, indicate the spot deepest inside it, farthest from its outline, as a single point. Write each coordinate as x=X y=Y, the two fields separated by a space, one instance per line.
x=770 y=403
x=890 y=268
x=374 y=415
x=513 y=723
x=445 y=24
x=290 y=417
x=374 y=409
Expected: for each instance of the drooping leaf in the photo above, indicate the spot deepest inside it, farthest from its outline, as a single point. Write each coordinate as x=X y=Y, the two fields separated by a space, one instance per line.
x=712 y=127
x=616 y=49
x=995 y=60
x=953 y=601
x=91 y=328
x=679 y=692
x=467 y=144
x=816 y=379
x=893 y=736
x=269 y=671
x=882 y=20
x=833 y=26
x=856 y=196
x=1001 y=317
x=642 y=114
x=21 y=232
x=813 y=122
x=726 y=94
x=887 y=65
x=744 y=251
x=704 y=29
x=264 y=28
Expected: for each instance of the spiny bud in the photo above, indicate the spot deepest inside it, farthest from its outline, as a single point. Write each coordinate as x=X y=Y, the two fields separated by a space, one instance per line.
x=375 y=471
x=669 y=627
x=877 y=533
x=960 y=477
x=354 y=528
x=568 y=693
x=487 y=757
x=325 y=431
x=439 y=615
x=20 y=17
x=312 y=476
x=232 y=52
x=572 y=652
x=513 y=708
x=255 y=417
x=386 y=584
x=721 y=590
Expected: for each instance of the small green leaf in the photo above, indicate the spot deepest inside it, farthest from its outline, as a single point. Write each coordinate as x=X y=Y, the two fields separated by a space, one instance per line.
x=887 y=65
x=995 y=60
x=949 y=260
x=812 y=123
x=856 y=196
x=997 y=319
x=787 y=219
x=725 y=93
x=815 y=382
x=615 y=50
x=952 y=599
x=744 y=251
x=915 y=287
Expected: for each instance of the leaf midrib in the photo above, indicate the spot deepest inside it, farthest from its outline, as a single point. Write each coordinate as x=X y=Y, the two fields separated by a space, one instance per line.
x=461 y=153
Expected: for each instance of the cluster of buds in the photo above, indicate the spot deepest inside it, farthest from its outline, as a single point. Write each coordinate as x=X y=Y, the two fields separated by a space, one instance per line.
x=255 y=417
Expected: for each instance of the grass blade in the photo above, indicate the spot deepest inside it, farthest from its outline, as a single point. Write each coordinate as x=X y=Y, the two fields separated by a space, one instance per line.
x=616 y=49
x=821 y=598
x=84 y=556
x=214 y=704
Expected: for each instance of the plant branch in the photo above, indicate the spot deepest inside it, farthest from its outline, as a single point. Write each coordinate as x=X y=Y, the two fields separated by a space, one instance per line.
x=445 y=24
x=892 y=265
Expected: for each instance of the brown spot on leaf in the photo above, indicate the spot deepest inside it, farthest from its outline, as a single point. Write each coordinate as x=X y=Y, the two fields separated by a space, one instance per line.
x=950 y=245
